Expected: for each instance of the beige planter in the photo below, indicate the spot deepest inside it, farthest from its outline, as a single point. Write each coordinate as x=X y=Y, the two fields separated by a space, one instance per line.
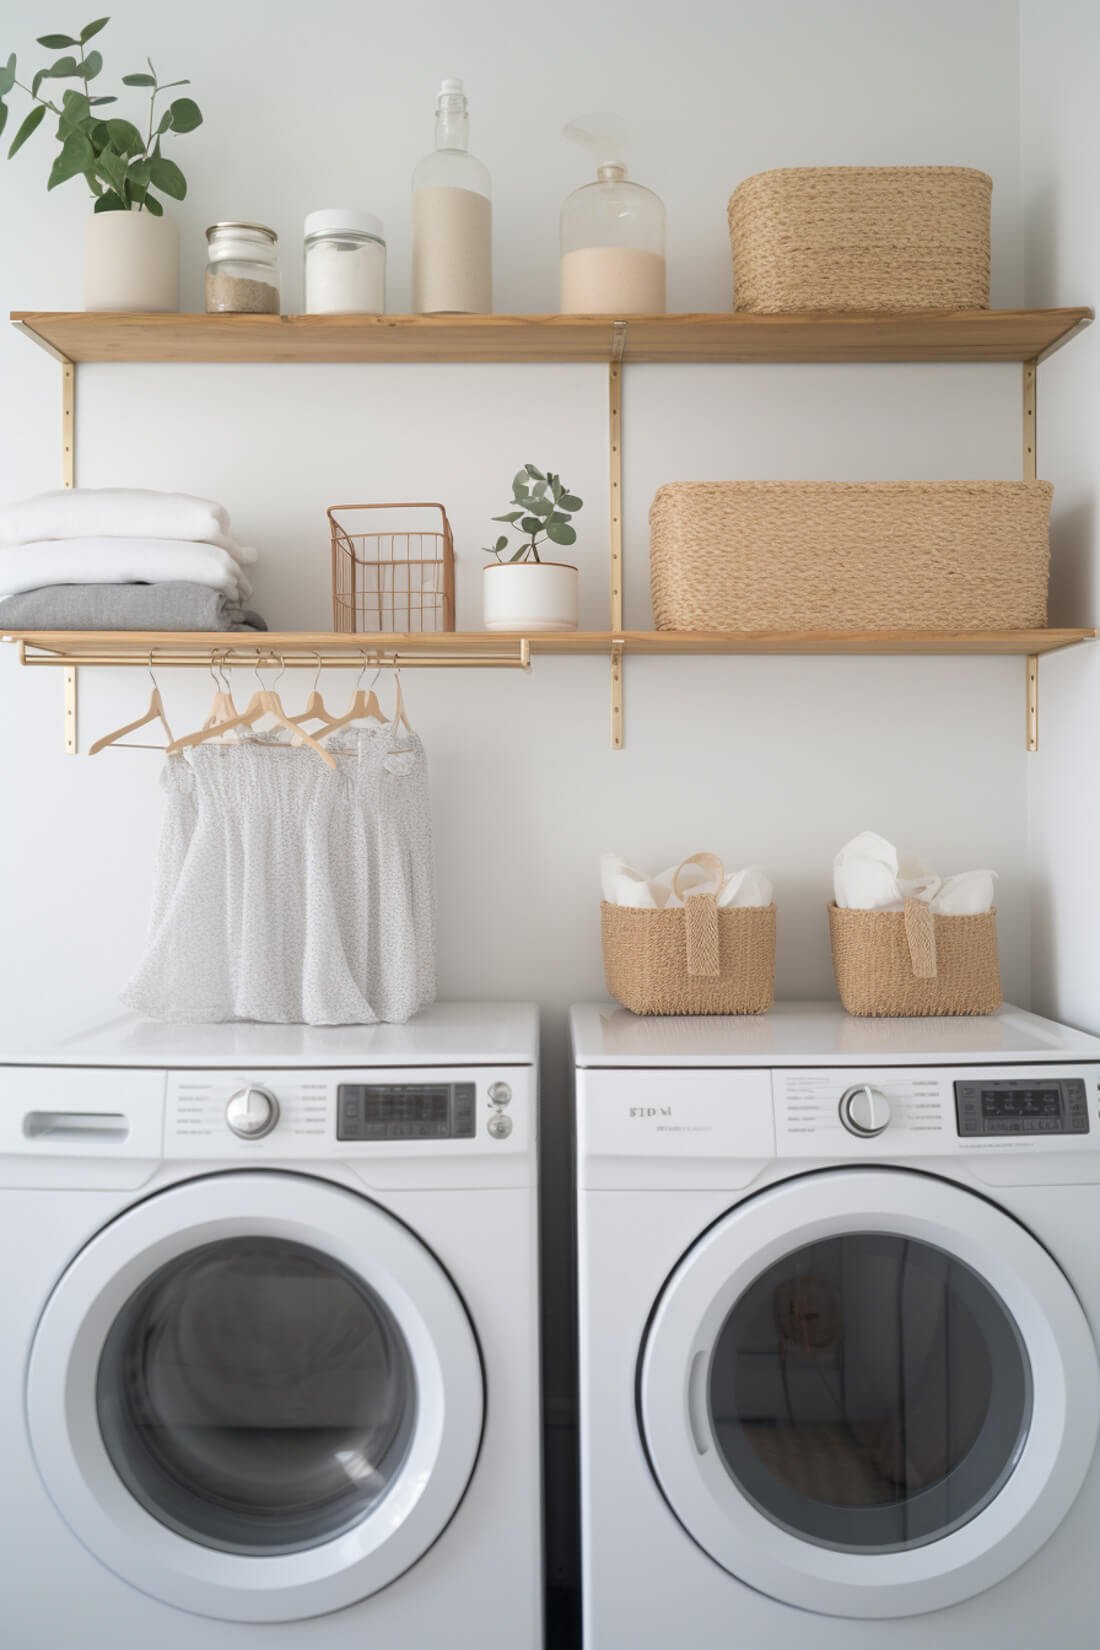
x=131 y=262
x=531 y=595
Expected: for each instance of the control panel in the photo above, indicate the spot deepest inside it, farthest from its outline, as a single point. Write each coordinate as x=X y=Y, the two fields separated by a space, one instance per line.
x=405 y=1111
x=1025 y=1105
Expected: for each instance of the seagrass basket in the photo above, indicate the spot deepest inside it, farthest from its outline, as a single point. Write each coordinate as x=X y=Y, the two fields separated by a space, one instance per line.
x=894 y=964
x=697 y=958
x=861 y=238
x=836 y=555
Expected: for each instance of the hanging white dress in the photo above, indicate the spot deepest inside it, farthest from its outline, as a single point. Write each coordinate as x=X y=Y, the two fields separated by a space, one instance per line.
x=290 y=892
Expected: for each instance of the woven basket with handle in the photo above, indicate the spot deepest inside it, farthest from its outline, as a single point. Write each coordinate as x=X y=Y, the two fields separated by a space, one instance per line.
x=861 y=238
x=850 y=555
x=697 y=958
x=913 y=962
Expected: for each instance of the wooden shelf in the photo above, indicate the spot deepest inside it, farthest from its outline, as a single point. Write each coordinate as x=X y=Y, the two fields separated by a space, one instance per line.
x=302 y=648
x=969 y=335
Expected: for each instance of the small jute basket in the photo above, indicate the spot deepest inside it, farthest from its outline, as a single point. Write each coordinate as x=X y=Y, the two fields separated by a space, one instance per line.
x=861 y=238
x=893 y=964
x=697 y=958
x=841 y=555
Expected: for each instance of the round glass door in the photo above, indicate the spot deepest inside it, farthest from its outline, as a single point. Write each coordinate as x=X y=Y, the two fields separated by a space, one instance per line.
x=868 y=1393
x=256 y=1396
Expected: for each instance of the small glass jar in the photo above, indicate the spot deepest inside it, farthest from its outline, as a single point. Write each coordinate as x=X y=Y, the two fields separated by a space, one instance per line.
x=345 y=263
x=613 y=247
x=242 y=271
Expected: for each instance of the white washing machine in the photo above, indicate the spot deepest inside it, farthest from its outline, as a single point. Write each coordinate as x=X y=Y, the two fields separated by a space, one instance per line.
x=839 y=1298
x=270 y=1351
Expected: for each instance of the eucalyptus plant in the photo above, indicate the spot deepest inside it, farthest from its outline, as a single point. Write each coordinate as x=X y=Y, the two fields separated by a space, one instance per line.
x=544 y=510
x=119 y=165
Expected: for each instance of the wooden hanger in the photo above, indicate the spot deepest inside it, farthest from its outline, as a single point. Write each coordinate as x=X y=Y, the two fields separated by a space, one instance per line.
x=223 y=707
x=265 y=702
x=155 y=713
x=364 y=706
x=316 y=710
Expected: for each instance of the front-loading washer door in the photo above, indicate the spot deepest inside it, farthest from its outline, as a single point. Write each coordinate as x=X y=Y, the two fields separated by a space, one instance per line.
x=256 y=1396
x=869 y=1393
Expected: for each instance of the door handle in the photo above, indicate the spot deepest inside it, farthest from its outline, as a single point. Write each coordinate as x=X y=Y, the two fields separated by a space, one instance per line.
x=84 y=1126
x=698 y=1420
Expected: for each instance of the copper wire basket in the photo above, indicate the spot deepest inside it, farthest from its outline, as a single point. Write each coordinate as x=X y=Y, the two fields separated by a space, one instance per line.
x=400 y=580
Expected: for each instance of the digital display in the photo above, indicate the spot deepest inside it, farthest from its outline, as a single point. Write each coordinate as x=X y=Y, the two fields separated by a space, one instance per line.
x=405 y=1111
x=1021 y=1103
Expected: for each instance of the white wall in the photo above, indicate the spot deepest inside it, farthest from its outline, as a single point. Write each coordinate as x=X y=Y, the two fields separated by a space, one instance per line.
x=1060 y=149
x=776 y=760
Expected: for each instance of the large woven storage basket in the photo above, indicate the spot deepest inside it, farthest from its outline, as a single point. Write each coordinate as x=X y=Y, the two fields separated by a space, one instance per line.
x=897 y=964
x=861 y=238
x=833 y=555
x=697 y=958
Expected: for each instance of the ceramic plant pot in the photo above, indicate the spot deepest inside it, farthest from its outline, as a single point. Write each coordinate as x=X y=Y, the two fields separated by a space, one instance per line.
x=531 y=595
x=131 y=262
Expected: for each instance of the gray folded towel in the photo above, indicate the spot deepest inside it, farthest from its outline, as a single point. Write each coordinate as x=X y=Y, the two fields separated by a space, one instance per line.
x=172 y=606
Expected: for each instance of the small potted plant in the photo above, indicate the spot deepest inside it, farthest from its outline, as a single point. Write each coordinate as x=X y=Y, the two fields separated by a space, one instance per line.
x=131 y=259
x=522 y=590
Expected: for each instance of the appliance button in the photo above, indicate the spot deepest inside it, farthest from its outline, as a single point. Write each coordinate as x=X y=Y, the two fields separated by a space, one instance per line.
x=500 y=1093
x=499 y=1127
x=252 y=1112
x=864 y=1110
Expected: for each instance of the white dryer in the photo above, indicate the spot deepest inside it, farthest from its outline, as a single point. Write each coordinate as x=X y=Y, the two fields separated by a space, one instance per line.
x=271 y=1337
x=839 y=1293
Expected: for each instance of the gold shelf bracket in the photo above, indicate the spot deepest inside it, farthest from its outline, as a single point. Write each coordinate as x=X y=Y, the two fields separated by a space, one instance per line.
x=1030 y=420
x=1032 y=728
x=71 y=732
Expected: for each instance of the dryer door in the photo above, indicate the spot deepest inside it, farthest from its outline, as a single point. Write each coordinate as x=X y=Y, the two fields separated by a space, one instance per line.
x=869 y=1393
x=256 y=1396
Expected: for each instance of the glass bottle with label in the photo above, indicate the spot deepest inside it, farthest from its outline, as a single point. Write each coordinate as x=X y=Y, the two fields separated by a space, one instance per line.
x=452 y=229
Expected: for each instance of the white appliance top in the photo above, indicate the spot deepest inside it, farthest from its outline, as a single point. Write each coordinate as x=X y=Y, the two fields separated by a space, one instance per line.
x=447 y=1034
x=818 y=1034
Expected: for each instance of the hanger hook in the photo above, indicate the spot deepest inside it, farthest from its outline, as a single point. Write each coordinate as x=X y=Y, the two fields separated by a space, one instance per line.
x=149 y=668
x=317 y=672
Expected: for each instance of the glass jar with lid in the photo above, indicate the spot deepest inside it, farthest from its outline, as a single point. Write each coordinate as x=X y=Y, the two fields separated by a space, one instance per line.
x=242 y=270
x=613 y=247
x=345 y=263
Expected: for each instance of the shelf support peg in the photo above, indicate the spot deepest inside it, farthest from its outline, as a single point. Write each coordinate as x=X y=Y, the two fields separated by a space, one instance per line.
x=1033 y=701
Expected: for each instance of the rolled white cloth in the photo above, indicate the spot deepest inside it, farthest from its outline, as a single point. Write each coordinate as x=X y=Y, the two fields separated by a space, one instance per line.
x=120 y=512
x=623 y=885
x=870 y=875
x=119 y=561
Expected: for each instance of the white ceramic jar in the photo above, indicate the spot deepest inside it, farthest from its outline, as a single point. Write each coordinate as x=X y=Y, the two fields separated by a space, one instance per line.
x=131 y=262
x=530 y=596
x=345 y=263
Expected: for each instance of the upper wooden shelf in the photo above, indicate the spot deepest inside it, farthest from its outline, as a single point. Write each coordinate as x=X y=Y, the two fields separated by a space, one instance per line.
x=966 y=335
x=308 y=648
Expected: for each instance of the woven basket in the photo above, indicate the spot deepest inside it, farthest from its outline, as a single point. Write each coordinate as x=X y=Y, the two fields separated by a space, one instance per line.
x=832 y=555
x=694 y=959
x=861 y=238
x=894 y=964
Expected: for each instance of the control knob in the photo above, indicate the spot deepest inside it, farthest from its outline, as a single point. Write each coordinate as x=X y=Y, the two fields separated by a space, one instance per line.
x=864 y=1111
x=252 y=1113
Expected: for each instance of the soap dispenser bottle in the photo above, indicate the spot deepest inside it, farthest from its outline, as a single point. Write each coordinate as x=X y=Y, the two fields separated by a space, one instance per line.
x=452 y=227
x=612 y=232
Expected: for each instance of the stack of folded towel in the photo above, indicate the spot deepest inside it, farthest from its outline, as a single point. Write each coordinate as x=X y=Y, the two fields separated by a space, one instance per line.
x=122 y=559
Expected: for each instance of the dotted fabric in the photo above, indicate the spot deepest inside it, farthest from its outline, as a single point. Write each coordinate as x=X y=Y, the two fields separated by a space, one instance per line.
x=288 y=892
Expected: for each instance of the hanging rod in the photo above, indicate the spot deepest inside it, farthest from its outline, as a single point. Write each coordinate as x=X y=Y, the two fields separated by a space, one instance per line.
x=255 y=655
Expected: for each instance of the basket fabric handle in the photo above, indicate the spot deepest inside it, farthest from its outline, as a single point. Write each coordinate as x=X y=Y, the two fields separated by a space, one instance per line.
x=701 y=918
x=920 y=933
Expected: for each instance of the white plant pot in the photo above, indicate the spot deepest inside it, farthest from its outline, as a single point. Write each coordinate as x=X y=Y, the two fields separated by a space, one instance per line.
x=131 y=262
x=531 y=595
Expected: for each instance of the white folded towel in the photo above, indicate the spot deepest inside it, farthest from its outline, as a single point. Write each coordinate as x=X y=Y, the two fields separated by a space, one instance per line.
x=623 y=885
x=120 y=513
x=870 y=875
x=119 y=561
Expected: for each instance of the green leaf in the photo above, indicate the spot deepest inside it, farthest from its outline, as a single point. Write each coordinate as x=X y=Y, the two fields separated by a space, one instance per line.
x=125 y=138
x=91 y=66
x=31 y=124
x=90 y=30
x=75 y=115
x=3 y=115
x=570 y=501
x=152 y=205
x=541 y=507
x=555 y=486
x=39 y=76
x=168 y=178
x=56 y=42
x=76 y=156
x=96 y=102
x=7 y=76
x=138 y=80
x=64 y=69
x=512 y=517
x=539 y=490
x=186 y=114
x=112 y=169
x=519 y=484
x=521 y=554
x=559 y=532
x=531 y=524
x=501 y=544
x=536 y=475
x=110 y=202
